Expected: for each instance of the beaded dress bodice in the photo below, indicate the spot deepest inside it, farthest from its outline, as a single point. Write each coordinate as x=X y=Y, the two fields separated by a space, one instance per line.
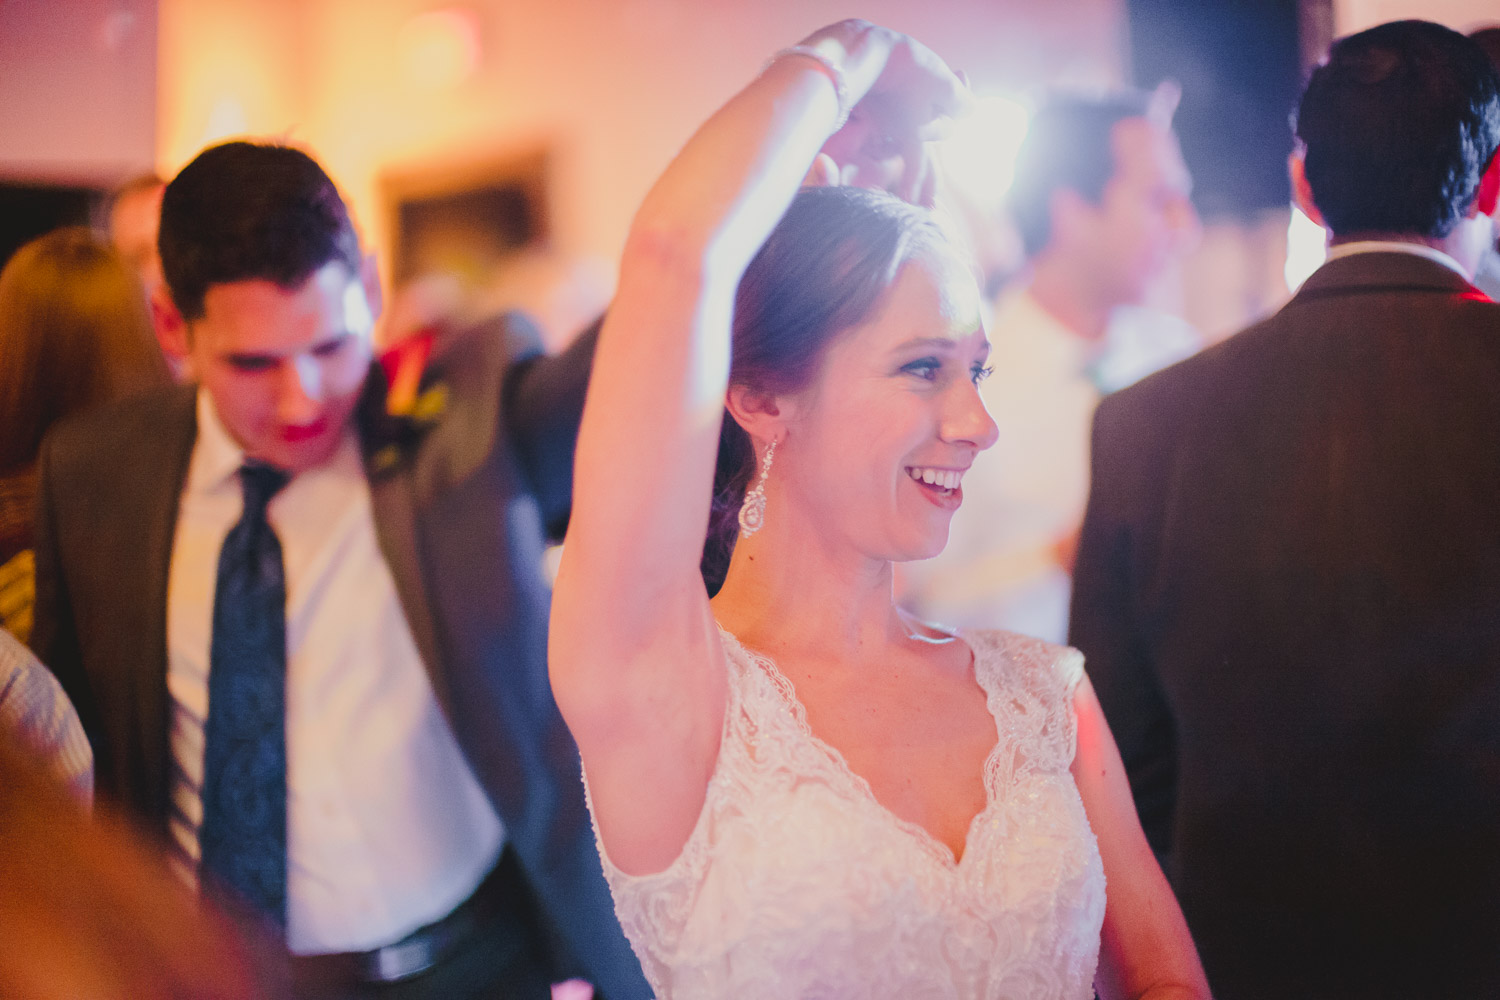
x=797 y=883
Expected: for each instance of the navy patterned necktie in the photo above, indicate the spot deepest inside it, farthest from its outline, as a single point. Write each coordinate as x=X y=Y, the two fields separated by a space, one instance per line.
x=242 y=839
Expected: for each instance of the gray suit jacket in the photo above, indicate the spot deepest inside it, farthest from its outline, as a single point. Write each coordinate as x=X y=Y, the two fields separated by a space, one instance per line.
x=463 y=506
x=1288 y=594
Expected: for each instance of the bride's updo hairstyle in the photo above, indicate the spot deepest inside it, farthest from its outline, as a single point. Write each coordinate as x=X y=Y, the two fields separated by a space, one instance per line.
x=825 y=268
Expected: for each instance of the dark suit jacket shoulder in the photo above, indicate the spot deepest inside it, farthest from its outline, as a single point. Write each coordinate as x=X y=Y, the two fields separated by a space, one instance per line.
x=1376 y=351
x=105 y=519
x=1286 y=591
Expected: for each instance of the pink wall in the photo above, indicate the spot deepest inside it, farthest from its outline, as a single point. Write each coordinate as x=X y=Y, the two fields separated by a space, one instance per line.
x=1464 y=15
x=77 y=89
x=612 y=87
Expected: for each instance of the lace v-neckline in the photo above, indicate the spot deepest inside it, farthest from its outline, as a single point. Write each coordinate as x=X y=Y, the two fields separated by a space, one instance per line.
x=931 y=845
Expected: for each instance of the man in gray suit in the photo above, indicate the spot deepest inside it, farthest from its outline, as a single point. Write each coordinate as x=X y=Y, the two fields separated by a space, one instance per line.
x=1288 y=585
x=307 y=634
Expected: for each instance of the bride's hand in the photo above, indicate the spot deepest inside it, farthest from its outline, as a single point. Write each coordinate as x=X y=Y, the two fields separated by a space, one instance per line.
x=885 y=143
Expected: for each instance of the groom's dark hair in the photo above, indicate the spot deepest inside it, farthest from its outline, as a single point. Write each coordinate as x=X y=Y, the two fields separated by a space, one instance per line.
x=243 y=211
x=1399 y=126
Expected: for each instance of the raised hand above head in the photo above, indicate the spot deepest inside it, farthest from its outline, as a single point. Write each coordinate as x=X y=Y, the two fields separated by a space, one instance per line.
x=885 y=142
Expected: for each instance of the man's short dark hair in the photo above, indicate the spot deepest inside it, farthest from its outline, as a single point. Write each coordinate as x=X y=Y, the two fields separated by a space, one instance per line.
x=1398 y=127
x=1069 y=145
x=1489 y=40
x=244 y=211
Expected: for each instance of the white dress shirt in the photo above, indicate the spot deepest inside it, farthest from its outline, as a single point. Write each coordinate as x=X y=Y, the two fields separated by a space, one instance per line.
x=1397 y=246
x=387 y=828
x=1024 y=498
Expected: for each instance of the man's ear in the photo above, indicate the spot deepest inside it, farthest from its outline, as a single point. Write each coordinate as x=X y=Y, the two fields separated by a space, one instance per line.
x=1071 y=215
x=1488 y=198
x=369 y=276
x=1302 y=196
x=761 y=414
x=171 y=328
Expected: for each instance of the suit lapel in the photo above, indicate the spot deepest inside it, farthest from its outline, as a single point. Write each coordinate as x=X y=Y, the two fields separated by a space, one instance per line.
x=393 y=502
x=161 y=471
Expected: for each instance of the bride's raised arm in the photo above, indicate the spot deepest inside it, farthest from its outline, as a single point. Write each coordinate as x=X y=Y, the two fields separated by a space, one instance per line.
x=635 y=659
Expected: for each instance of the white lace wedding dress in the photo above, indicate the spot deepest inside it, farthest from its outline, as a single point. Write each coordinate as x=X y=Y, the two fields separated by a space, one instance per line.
x=797 y=883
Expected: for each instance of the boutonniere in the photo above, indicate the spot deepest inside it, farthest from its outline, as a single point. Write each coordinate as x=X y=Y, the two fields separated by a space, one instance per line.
x=427 y=407
x=410 y=409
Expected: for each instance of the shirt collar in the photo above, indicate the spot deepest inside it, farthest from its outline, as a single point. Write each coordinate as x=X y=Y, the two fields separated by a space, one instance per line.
x=216 y=455
x=1397 y=246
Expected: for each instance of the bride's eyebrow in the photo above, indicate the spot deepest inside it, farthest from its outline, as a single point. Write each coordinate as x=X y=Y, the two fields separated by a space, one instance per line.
x=934 y=343
x=950 y=344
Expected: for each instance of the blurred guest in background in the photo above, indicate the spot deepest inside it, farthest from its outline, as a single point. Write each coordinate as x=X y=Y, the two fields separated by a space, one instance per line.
x=88 y=911
x=74 y=332
x=305 y=621
x=1289 y=572
x=1101 y=202
x=134 y=220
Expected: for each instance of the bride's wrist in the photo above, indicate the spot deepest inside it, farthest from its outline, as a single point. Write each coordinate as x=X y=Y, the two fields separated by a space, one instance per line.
x=815 y=57
x=854 y=51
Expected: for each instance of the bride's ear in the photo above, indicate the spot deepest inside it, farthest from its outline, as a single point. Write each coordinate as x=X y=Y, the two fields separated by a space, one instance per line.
x=761 y=414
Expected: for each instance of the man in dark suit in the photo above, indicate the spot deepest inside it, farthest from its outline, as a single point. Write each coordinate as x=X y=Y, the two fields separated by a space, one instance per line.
x=1288 y=585
x=307 y=635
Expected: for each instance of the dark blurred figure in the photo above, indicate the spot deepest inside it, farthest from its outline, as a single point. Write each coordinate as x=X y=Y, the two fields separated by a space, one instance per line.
x=1289 y=574
x=1101 y=201
x=74 y=333
x=1487 y=274
x=134 y=221
x=86 y=911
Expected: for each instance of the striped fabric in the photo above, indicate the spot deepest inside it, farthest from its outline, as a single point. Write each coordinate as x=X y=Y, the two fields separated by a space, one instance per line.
x=34 y=707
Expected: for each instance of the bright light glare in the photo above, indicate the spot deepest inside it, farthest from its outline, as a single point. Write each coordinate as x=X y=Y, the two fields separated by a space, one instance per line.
x=1306 y=249
x=226 y=119
x=979 y=157
x=439 y=49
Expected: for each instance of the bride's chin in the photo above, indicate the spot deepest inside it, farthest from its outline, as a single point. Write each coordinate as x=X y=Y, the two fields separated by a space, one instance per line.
x=928 y=548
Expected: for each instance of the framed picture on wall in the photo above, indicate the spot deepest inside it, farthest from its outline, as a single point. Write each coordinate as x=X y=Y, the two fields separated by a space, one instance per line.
x=466 y=220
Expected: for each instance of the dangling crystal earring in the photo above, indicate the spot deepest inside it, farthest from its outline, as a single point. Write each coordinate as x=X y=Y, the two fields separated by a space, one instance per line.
x=753 y=510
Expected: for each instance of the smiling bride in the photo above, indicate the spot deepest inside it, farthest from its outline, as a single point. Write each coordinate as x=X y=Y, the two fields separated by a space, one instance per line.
x=799 y=791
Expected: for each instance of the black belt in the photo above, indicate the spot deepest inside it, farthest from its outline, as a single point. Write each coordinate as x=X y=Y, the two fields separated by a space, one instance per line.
x=492 y=905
